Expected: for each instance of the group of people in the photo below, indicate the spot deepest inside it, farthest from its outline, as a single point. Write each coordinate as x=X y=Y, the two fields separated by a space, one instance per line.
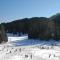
x=16 y=50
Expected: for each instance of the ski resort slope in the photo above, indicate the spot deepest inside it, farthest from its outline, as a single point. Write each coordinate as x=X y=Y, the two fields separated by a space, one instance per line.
x=32 y=52
x=44 y=51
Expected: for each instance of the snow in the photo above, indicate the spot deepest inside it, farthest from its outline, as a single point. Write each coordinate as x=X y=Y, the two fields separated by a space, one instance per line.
x=12 y=37
x=17 y=38
x=15 y=58
x=32 y=52
x=46 y=50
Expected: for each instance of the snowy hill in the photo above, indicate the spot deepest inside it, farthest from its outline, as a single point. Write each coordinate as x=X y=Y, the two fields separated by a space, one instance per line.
x=43 y=50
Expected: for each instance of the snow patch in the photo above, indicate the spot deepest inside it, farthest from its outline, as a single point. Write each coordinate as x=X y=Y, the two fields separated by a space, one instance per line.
x=17 y=38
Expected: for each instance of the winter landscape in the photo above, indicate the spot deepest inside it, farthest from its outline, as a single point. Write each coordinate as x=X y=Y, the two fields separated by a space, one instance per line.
x=36 y=50
x=29 y=29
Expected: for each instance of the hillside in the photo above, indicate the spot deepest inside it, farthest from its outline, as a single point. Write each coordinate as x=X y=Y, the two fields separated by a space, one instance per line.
x=36 y=27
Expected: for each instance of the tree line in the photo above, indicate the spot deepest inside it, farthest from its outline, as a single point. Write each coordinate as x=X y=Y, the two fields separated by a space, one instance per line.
x=36 y=27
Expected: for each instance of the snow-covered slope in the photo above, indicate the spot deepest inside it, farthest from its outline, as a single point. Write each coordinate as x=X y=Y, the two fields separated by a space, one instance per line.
x=17 y=38
x=12 y=37
x=31 y=52
x=43 y=50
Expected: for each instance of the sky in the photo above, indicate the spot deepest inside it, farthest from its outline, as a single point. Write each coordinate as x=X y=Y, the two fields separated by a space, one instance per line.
x=17 y=9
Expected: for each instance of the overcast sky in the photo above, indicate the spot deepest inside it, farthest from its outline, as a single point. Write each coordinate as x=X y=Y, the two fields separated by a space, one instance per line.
x=16 y=9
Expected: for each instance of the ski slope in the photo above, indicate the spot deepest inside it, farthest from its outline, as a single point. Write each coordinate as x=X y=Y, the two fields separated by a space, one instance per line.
x=46 y=50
